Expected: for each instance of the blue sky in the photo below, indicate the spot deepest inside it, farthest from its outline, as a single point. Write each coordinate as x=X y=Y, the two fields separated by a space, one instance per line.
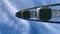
x=10 y=24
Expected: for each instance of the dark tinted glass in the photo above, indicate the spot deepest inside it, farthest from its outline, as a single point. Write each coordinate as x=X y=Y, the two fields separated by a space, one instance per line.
x=26 y=14
x=19 y=14
x=45 y=14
